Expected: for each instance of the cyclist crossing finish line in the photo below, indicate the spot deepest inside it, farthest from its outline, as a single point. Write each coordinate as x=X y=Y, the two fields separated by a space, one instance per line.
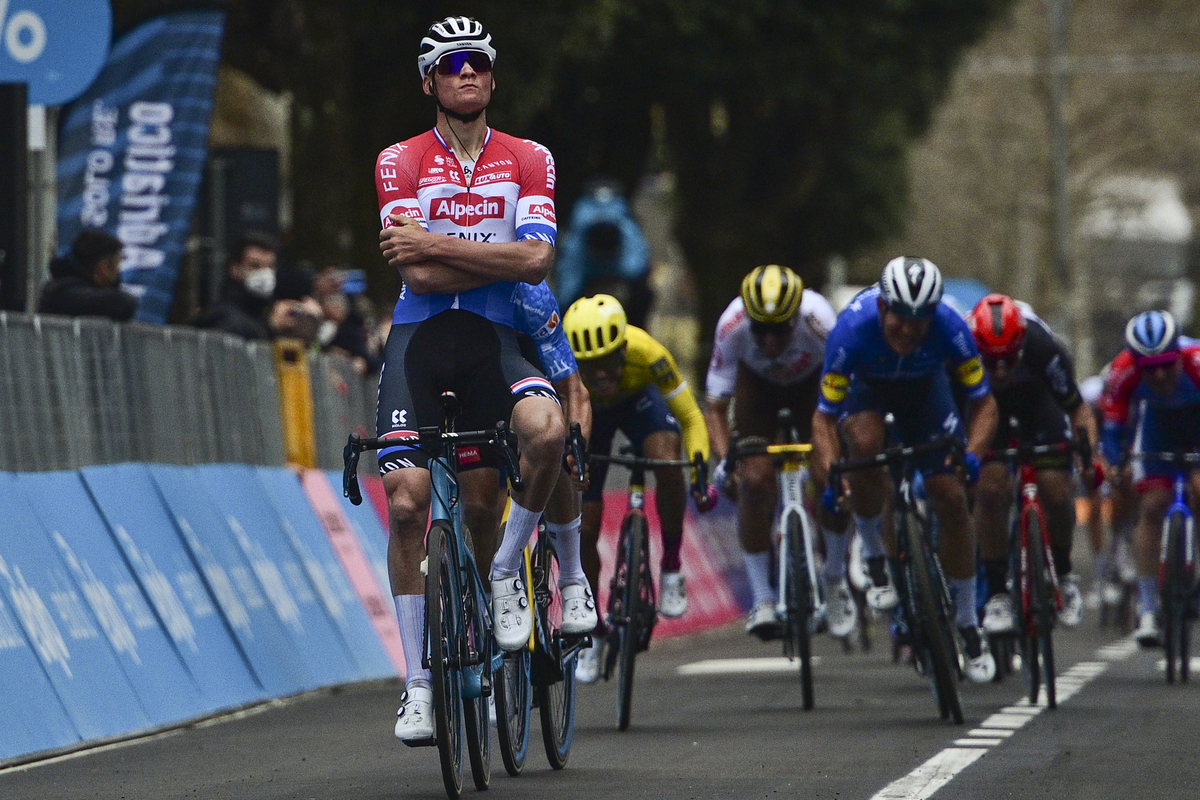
x=468 y=216
x=889 y=352
x=767 y=355
x=1159 y=375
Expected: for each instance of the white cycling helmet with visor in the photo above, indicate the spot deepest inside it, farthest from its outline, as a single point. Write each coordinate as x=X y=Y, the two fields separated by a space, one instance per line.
x=911 y=287
x=453 y=35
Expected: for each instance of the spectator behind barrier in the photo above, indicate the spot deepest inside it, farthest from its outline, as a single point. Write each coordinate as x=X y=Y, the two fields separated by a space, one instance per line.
x=604 y=252
x=247 y=306
x=344 y=327
x=85 y=282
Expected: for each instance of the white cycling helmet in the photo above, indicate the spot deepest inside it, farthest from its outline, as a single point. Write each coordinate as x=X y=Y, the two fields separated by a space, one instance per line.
x=453 y=33
x=911 y=287
x=1151 y=334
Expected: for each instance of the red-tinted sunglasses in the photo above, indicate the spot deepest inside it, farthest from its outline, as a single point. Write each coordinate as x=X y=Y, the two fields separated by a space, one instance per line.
x=452 y=63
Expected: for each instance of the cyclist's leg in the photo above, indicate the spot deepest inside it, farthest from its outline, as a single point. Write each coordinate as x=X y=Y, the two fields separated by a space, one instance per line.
x=483 y=506
x=754 y=415
x=563 y=523
x=1153 y=480
x=993 y=501
x=869 y=498
x=1056 y=487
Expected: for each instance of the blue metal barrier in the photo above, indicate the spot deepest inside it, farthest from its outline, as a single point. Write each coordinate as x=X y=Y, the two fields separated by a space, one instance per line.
x=65 y=635
x=307 y=537
x=280 y=666
x=243 y=500
x=146 y=533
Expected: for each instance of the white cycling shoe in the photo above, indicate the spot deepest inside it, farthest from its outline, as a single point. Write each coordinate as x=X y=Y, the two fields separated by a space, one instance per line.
x=998 y=617
x=587 y=664
x=1071 y=613
x=674 y=599
x=512 y=619
x=414 y=720
x=1148 y=634
x=881 y=594
x=579 y=609
x=980 y=667
x=763 y=622
x=841 y=613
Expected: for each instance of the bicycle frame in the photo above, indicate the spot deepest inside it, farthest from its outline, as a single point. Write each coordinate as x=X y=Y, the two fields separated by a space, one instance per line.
x=791 y=478
x=1027 y=490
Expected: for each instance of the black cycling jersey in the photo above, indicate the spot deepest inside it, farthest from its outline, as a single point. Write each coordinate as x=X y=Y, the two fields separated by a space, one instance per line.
x=1041 y=390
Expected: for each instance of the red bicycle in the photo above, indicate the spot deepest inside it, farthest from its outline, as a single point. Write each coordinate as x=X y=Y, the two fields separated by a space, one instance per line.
x=1034 y=588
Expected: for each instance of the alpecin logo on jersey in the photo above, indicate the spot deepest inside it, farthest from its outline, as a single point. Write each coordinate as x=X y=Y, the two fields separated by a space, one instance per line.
x=544 y=210
x=466 y=209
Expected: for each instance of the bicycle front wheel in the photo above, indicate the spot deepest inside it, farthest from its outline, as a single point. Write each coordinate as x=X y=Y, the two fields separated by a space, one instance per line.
x=512 y=689
x=1175 y=592
x=441 y=631
x=1039 y=642
x=630 y=614
x=798 y=597
x=936 y=631
x=556 y=699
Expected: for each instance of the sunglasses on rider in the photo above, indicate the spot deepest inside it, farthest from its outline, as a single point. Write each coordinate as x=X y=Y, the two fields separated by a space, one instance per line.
x=452 y=63
x=776 y=328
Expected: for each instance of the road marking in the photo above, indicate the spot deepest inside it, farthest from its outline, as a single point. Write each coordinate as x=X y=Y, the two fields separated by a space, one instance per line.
x=935 y=773
x=1193 y=664
x=742 y=666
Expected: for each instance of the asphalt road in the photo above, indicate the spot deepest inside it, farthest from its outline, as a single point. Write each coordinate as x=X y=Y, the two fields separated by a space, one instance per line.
x=712 y=731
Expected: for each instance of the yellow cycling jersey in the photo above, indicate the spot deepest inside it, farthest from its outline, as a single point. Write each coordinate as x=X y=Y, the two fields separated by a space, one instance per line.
x=648 y=362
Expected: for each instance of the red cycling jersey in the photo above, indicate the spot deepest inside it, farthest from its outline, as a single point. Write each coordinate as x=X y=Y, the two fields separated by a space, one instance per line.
x=509 y=197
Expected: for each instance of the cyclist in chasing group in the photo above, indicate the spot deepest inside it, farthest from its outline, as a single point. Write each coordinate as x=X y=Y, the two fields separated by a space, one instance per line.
x=467 y=214
x=1159 y=376
x=888 y=352
x=1033 y=380
x=767 y=355
x=635 y=387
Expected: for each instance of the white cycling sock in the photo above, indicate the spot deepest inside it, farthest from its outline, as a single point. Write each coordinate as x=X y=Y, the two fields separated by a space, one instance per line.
x=868 y=530
x=758 y=570
x=521 y=522
x=836 y=547
x=962 y=592
x=1147 y=595
x=565 y=536
x=410 y=612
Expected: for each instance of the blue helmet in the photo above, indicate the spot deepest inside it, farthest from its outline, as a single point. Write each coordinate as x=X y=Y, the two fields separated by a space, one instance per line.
x=1152 y=333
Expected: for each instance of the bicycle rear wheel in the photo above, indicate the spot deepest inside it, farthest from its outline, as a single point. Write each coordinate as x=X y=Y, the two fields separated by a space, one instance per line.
x=1174 y=599
x=630 y=617
x=798 y=598
x=936 y=633
x=441 y=627
x=1039 y=641
x=556 y=699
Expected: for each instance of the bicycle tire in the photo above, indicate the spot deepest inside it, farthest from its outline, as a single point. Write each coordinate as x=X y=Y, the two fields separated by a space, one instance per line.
x=1043 y=612
x=478 y=730
x=514 y=709
x=799 y=603
x=441 y=622
x=630 y=620
x=513 y=690
x=556 y=700
x=936 y=634
x=1173 y=597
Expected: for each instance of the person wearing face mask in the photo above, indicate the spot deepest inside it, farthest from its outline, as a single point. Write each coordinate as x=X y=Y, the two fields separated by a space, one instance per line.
x=247 y=307
x=85 y=281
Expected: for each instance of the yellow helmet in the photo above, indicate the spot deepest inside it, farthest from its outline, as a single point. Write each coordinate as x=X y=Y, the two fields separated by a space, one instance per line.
x=595 y=326
x=771 y=293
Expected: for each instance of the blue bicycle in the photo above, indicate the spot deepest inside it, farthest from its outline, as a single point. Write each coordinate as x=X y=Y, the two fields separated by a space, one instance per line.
x=1177 y=566
x=460 y=651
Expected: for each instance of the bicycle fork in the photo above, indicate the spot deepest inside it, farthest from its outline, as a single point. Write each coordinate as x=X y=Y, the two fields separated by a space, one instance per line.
x=791 y=495
x=1178 y=506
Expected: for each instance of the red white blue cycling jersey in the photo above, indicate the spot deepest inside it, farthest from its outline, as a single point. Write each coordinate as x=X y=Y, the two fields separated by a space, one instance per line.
x=508 y=198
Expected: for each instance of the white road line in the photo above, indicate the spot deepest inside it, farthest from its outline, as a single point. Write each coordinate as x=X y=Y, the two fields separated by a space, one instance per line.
x=736 y=666
x=1193 y=664
x=935 y=773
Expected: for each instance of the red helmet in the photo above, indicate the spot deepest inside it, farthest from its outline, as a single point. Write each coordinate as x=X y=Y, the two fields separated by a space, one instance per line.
x=998 y=325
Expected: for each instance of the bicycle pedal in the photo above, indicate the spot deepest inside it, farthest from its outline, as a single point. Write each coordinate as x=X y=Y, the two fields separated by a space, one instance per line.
x=430 y=742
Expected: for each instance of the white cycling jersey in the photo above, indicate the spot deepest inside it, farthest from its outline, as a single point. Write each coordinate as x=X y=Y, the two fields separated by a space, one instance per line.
x=801 y=359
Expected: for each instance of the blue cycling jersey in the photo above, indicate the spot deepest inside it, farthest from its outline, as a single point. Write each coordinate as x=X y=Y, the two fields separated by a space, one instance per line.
x=536 y=314
x=856 y=350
